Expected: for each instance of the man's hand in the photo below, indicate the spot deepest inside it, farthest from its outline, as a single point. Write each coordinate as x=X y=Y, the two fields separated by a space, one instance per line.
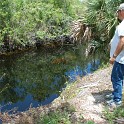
x=112 y=60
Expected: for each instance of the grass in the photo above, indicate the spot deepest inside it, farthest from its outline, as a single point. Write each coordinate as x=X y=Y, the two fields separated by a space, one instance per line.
x=55 y=118
x=89 y=122
x=117 y=113
x=111 y=116
x=62 y=115
x=59 y=118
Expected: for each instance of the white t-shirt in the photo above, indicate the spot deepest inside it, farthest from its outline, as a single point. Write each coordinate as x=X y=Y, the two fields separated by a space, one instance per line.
x=115 y=40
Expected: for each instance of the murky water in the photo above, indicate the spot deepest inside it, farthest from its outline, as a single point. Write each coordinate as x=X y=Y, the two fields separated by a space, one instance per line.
x=36 y=78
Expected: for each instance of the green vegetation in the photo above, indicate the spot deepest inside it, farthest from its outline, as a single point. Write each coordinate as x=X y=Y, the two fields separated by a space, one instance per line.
x=64 y=114
x=111 y=116
x=23 y=20
x=59 y=115
x=101 y=16
x=56 y=118
x=116 y=114
x=89 y=122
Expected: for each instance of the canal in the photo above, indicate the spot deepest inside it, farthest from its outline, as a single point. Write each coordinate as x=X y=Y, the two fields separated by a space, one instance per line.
x=37 y=77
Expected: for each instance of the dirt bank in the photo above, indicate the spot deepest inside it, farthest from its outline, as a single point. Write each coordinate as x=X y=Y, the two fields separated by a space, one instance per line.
x=87 y=95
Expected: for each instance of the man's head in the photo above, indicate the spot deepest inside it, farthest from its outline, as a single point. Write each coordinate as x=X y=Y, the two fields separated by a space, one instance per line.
x=120 y=12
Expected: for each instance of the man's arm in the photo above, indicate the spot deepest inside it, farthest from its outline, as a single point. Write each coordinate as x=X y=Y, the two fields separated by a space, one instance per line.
x=119 y=48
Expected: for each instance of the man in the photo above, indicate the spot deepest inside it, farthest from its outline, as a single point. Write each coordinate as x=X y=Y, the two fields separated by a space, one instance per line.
x=117 y=59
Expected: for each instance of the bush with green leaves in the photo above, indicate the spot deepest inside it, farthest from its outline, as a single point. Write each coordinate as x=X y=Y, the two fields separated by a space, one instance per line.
x=22 y=20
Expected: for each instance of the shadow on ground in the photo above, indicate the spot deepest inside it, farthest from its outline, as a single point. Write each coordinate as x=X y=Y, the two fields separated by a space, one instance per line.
x=100 y=96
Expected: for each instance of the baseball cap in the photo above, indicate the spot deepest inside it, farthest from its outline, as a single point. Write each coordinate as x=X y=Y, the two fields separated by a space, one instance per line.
x=121 y=7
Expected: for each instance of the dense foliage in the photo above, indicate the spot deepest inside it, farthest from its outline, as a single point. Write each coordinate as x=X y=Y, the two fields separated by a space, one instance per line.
x=23 y=20
x=101 y=15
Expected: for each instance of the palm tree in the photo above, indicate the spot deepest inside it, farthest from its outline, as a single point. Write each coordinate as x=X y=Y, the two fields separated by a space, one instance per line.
x=101 y=15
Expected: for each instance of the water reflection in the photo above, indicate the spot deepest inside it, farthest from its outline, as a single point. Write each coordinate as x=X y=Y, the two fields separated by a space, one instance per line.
x=78 y=71
x=36 y=78
x=26 y=103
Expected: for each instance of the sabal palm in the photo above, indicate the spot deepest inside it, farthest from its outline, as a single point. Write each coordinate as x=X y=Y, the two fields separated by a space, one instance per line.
x=102 y=14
